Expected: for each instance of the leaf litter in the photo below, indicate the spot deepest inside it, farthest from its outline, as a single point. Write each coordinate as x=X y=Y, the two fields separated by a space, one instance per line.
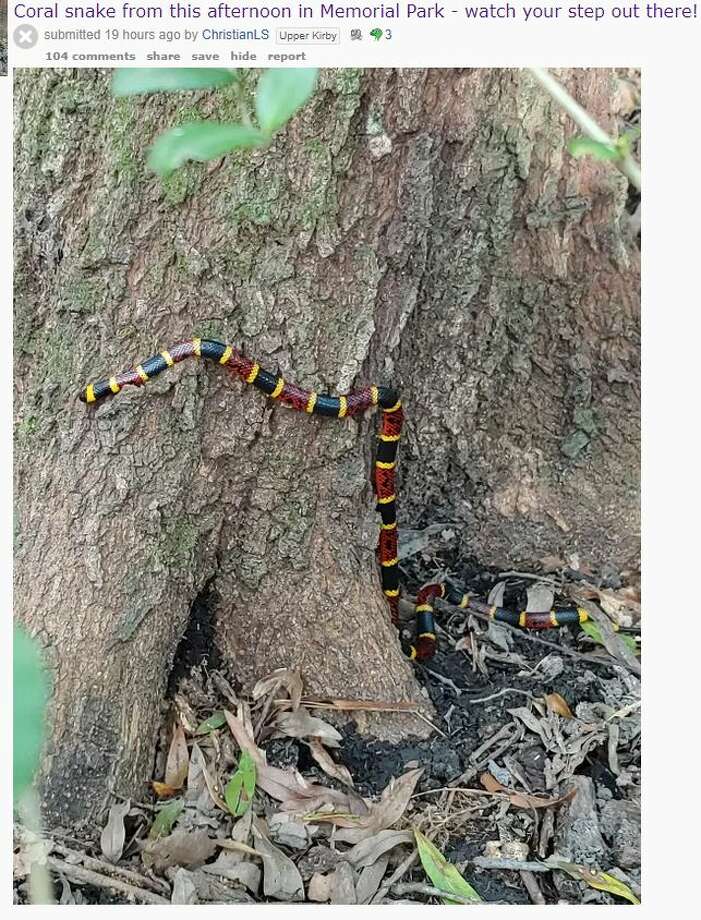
x=274 y=797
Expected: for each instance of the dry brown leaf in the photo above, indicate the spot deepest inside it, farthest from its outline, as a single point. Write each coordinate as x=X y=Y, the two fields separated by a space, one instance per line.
x=232 y=866
x=212 y=890
x=612 y=642
x=224 y=687
x=383 y=814
x=178 y=759
x=244 y=738
x=282 y=677
x=287 y=786
x=627 y=597
x=496 y=595
x=558 y=704
x=490 y=783
x=290 y=831
x=520 y=799
x=114 y=834
x=295 y=792
x=181 y=848
x=343 y=885
x=369 y=881
x=241 y=830
x=281 y=878
x=184 y=888
x=541 y=598
x=530 y=720
x=300 y=724
x=197 y=792
x=237 y=847
x=328 y=765
x=369 y=851
x=362 y=705
x=337 y=818
x=163 y=790
x=232 y=863
x=213 y=787
x=551 y=564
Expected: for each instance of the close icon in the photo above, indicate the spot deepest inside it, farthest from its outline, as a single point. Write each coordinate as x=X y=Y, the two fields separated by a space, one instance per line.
x=25 y=36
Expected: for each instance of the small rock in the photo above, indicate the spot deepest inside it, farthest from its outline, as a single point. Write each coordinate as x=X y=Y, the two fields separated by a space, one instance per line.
x=578 y=837
x=620 y=825
x=319 y=859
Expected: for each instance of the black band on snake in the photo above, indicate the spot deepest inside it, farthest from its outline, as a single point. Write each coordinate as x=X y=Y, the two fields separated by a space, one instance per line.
x=345 y=406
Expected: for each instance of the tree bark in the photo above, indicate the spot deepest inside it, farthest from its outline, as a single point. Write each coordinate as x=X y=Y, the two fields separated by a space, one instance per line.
x=3 y=38
x=419 y=228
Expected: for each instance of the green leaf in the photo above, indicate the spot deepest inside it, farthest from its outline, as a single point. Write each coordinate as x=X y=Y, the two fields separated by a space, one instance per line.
x=30 y=693
x=442 y=873
x=602 y=881
x=216 y=720
x=593 y=631
x=165 y=819
x=203 y=140
x=624 y=144
x=280 y=92
x=583 y=146
x=130 y=81
x=238 y=794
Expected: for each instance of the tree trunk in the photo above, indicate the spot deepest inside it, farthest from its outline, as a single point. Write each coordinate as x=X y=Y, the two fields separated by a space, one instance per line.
x=3 y=38
x=419 y=228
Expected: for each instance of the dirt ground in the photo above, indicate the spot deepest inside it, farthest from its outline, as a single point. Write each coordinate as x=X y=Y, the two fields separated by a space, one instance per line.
x=529 y=783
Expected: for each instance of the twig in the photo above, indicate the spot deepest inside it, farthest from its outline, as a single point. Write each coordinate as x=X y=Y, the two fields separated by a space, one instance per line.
x=625 y=163
x=487 y=862
x=431 y=892
x=400 y=871
x=467 y=789
x=266 y=709
x=84 y=876
x=506 y=731
x=493 y=696
x=533 y=577
x=625 y=711
x=429 y=722
x=446 y=681
x=531 y=884
x=104 y=868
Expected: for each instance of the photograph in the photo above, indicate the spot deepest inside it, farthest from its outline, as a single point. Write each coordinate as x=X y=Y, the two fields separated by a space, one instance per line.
x=327 y=485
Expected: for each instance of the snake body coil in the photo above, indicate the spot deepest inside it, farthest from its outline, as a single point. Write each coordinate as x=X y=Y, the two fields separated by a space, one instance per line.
x=353 y=403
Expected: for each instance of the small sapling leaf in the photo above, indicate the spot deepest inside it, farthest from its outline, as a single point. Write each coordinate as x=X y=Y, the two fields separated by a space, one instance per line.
x=165 y=819
x=443 y=874
x=29 y=693
x=583 y=146
x=280 y=92
x=133 y=81
x=240 y=788
x=203 y=140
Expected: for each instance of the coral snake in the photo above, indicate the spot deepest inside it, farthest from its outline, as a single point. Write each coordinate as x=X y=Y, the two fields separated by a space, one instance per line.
x=347 y=406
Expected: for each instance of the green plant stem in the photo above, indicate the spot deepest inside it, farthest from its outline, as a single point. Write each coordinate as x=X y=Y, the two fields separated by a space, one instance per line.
x=627 y=165
x=40 y=886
